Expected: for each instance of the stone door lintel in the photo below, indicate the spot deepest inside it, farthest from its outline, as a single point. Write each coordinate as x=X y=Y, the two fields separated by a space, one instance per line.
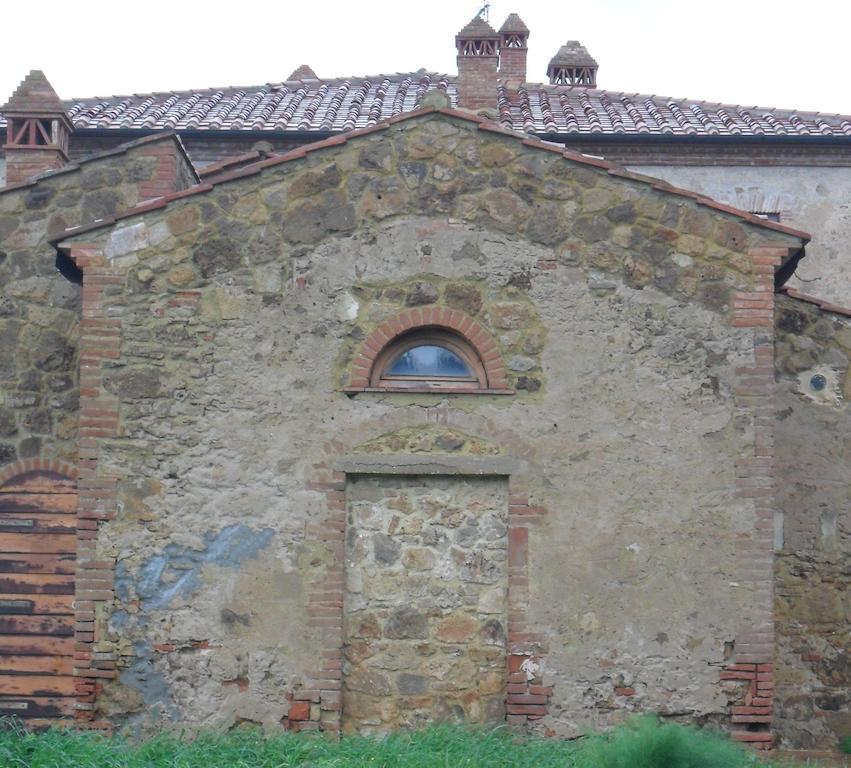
x=428 y=464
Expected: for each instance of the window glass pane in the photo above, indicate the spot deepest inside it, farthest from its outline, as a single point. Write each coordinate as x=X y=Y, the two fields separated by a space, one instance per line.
x=429 y=360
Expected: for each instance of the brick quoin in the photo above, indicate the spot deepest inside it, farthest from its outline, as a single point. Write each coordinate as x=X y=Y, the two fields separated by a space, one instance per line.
x=97 y=500
x=163 y=181
x=752 y=663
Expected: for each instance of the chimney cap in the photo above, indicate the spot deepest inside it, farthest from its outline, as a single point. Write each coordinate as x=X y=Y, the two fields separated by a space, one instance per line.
x=477 y=27
x=304 y=72
x=34 y=96
x=573 y=54
x=513 y=25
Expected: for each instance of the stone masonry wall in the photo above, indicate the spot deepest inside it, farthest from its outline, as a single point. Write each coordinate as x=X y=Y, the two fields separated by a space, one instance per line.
x=40 y=309
x=814 y=199
x=237 y=311
x=813 y=559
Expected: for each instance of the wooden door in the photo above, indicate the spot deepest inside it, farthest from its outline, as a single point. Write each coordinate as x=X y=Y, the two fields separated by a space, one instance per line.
x=37 y=562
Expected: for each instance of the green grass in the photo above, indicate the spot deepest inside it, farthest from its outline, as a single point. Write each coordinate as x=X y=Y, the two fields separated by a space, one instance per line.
x=641 y=743
x=845 y=745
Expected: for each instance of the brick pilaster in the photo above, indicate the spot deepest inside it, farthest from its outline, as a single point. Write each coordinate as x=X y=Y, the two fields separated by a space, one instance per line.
x=319 y=705
x=527 y=698
x=94 y=588
x=754 y=643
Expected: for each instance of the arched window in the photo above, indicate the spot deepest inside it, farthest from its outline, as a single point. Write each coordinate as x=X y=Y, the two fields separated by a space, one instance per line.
x=428 y=358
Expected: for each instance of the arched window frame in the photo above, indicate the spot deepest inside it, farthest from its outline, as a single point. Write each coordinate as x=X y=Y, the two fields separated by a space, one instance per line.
x=438 y=337
x=468 y=332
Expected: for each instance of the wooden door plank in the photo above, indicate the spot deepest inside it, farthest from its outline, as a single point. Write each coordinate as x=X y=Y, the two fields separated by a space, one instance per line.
x=33 y=645
x=36 y=706
x=39 y=502
x=43 y=544
x=37 y=584
x=48 y=665
x=39 y=481
x=11 y=603
x=22 y=522
x=37 y=625
x=20 y=562
x=36 y=685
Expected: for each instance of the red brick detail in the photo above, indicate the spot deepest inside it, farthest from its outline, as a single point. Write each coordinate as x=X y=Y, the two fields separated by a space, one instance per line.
x=165 y=177
x=433 y=317
x=23 y=163
x=477 y=81
x=325 y=595
x=512 y=66
x=38 y=465
x=751 y=716
x=527 y=698
x=754 y=568
x=100 y=337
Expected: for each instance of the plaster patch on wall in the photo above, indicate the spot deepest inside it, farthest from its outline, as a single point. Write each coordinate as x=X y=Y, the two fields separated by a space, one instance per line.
x=177 y=570
x=347 y=307
x=150 y=684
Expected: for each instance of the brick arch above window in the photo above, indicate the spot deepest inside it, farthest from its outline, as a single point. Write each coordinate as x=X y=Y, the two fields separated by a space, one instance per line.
x=441 y=319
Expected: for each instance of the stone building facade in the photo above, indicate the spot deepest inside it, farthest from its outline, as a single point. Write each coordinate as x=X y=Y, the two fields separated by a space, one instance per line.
x=224 y=498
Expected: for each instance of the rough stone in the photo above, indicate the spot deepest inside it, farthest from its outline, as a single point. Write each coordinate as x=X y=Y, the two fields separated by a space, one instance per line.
x=421 y=293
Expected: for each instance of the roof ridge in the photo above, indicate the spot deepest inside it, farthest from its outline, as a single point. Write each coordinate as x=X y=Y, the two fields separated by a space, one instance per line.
x=719 y=104
x=276 y=84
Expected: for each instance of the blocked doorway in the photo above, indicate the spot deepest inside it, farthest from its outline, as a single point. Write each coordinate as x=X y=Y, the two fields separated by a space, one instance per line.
x=425 y=607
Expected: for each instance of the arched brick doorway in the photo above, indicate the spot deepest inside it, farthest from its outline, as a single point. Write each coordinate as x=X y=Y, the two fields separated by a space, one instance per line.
x=37 y=564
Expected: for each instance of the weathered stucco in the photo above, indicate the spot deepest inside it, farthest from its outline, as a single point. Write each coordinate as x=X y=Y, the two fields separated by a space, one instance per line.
x=812 y=199
x=239 y=310
x=813 y=560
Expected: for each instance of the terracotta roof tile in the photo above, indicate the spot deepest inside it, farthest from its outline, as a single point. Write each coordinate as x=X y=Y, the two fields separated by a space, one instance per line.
x=340 y=105
x=826 y=306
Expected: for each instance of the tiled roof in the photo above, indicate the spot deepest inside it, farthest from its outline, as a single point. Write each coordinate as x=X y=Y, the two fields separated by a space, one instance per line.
x=346 y=104
x=312 y=105
x=549 y=109
x=822 y=304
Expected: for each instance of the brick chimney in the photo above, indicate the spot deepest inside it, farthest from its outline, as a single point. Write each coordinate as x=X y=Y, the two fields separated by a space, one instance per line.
x=513 y=47
x=573 y=65
x=37 y=130
x=478 y=59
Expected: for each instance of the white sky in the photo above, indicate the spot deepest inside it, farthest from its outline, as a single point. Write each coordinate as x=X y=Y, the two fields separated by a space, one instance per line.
x=770 y=53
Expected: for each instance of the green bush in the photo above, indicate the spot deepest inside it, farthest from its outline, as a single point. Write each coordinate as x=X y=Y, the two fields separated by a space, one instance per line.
x=644 y=742
x=641 y=743
x=845 y=745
